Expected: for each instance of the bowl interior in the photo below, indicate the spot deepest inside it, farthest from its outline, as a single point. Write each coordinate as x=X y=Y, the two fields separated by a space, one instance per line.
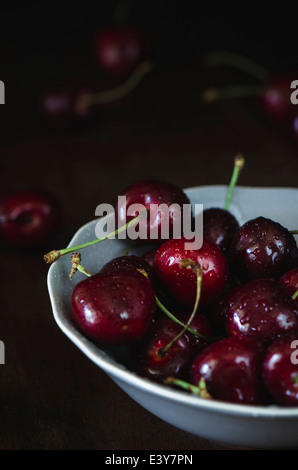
x=279 y=204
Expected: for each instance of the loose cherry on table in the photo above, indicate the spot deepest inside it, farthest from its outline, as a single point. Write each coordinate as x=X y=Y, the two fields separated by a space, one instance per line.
x=119 y=49
x=262 y=248
x=62 y=104
x=68 y=104
x=227 y=370
x=280 y=370
x=272 y=93
x=261 y=309
x=28 y=218
x=275 y=101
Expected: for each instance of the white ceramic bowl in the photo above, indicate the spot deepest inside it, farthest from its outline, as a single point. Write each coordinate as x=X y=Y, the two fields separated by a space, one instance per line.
x=243 y=425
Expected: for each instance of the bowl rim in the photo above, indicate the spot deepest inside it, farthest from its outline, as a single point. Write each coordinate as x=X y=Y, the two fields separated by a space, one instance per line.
x=120 y=372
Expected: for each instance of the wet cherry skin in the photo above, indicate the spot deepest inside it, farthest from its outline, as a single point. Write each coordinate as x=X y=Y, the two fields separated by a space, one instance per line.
x=148 y=193
x=180 y=283
x=114 y=308
x=262 y=248
x=280 y=370
x=220 y=227
x=176 y=361
x=290 y=281
x=261 y=309
x=129 y=262
x=28 y=218
x=231 y=369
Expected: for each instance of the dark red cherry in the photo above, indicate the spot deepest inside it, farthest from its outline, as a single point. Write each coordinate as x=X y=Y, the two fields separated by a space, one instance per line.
x=149 y=193
x=152 y=363
x=200 y=325
x=114 y=308
x=129 y=262
x=231 y=369
x=280 y=370
x=219 y=227
x=276 y=98
x=180 y=283
x=217 y=312
x=62 y=104
x=119 y=49
x=149 y=256
x=290 y=281
x=261 y=309
x=28 y=219
x=262 y=248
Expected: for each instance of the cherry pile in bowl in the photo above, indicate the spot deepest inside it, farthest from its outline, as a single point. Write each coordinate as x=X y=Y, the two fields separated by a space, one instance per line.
x=220 y=321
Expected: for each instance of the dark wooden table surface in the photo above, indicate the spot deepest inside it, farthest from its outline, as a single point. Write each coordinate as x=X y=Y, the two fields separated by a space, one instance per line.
x=52 y=396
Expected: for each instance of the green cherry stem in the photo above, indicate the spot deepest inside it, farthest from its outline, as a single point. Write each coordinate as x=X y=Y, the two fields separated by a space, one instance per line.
x=119 y=92
x=295 y=295
x=76 y=266
x=210 y=95
x=55 y=254
x=238 y=166
x=200 y=389
x=189 y=264
x=176 y=320
x=239 y=61
x=294 y=232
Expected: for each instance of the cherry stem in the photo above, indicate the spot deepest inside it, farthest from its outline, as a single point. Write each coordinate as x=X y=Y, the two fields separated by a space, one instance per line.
x=119 y=92
x=176 y=320
x=55 y=254
x=189 y=264
x=294 y=296
x=238 y=166
x=210 y=95
x=76 y=266
x=294 y=232
x=200 y=389
x=236 y=60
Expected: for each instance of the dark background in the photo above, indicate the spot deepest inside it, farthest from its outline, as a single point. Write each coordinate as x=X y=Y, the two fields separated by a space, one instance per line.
x=51 y=396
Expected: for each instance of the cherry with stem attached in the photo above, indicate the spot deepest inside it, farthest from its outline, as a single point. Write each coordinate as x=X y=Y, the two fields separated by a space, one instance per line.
x=169 y=349
x=220 y=225
x=66 y=104
x=112 y=308
x=189 y=264
x=77 y=266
